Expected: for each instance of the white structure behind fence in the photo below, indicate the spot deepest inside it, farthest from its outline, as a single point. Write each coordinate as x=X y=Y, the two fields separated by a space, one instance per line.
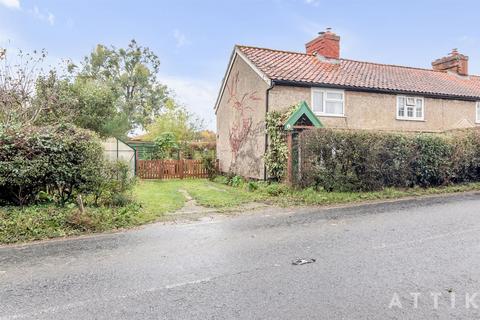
x=116 y=150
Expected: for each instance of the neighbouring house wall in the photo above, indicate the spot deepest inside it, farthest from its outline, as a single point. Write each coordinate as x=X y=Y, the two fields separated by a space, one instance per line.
x=375 y=111
x=241 y=122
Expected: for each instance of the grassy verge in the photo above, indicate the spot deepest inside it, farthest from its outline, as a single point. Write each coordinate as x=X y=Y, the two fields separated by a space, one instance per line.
x=152 y=200
x=20 y=224
x=313 y=197
x=282 y=195
x=156 y=198
x=160 y=197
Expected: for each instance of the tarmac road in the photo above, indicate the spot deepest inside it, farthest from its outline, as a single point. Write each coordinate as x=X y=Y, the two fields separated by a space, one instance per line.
x=371 y=263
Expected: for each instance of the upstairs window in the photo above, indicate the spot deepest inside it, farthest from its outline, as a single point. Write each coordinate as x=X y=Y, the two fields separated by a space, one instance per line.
x=410 y=108
x=328 y=102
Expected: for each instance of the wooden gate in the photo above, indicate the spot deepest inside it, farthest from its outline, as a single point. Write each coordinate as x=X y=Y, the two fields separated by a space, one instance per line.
x=170 y=169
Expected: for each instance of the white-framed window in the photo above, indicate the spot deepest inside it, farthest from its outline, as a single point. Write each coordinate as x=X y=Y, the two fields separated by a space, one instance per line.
x=477 y=112
x=328 y=102
x=410 y=108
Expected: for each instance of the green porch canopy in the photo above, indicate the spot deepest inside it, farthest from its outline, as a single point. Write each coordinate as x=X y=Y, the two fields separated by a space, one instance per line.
x=303 y=116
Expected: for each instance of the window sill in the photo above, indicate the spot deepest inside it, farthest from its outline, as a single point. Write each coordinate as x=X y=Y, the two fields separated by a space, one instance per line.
x=408 y=119
x=330 y=115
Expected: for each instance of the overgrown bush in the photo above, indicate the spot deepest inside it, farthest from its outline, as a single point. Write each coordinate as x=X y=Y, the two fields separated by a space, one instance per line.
x=230 y=179
x=277 y=153
x=209 y=163
x=113 y=184
x=165 y=146
x=337 y=160
x=56 y=160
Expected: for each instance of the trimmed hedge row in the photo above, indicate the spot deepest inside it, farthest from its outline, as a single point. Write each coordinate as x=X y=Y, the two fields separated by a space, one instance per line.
x=339 y=160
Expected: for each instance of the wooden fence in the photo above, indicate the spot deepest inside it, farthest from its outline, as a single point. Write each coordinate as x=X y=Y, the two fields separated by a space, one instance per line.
x=170 y=169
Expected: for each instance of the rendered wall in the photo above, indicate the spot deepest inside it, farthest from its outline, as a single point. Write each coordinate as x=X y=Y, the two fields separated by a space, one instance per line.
x=374 y=111
x=241 y=122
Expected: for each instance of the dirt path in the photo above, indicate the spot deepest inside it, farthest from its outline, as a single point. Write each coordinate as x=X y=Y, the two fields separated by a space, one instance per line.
x=191 y=206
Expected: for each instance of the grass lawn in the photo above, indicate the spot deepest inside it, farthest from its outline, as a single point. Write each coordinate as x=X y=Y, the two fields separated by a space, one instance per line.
x=162 y=196
x=158 y=197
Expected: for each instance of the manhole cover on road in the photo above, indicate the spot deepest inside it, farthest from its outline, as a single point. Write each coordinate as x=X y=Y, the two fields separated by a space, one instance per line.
x=299 y=262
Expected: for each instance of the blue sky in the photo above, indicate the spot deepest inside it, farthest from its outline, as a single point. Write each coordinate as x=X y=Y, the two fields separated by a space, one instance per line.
x=194 y=39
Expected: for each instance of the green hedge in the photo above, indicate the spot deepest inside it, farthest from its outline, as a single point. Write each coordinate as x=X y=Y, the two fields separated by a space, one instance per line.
x=49 y=162
x=339 y=160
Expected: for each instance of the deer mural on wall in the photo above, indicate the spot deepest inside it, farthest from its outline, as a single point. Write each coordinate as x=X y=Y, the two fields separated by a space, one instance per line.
x=242 y=124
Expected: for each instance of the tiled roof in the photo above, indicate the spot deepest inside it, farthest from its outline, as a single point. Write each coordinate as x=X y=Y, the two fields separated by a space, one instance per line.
x=302 y=68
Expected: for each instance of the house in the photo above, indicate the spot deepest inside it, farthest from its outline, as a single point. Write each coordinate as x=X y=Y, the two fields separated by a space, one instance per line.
x=342 y=93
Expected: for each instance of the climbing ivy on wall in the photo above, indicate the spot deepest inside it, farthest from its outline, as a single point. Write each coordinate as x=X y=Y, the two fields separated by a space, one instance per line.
x=277 y=152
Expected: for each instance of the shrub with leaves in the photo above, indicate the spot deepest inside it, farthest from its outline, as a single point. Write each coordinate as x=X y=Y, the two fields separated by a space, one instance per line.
x=209 y=163
x=277 y=153
x=112 y=186
x=165 y=145
x=339 y=160
x=58 y=160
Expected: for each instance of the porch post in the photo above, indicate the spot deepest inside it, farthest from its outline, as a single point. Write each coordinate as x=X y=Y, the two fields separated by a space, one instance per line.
x=289 y=159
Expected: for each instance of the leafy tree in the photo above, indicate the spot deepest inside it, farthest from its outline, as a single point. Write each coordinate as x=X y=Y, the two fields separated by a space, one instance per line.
x=96 y=103
x=207 y=136
x=165 y=145
x=176 y=120
x=87 y=103
x=132 y=75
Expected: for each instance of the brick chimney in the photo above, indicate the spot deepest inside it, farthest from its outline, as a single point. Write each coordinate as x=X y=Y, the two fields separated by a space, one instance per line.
x=327 y=44
x=455 y=62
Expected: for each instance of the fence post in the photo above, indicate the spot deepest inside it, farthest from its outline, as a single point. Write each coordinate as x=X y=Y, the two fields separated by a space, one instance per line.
x=136 y=162
x=289 y=159
x=181 y=168
x=161 y=169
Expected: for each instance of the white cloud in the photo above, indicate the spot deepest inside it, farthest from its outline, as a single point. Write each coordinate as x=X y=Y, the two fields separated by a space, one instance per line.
x=12 y=4
x=314 y=3
x=51 y=18
x=198 y=96
x=180 y=38
x=45 y=16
